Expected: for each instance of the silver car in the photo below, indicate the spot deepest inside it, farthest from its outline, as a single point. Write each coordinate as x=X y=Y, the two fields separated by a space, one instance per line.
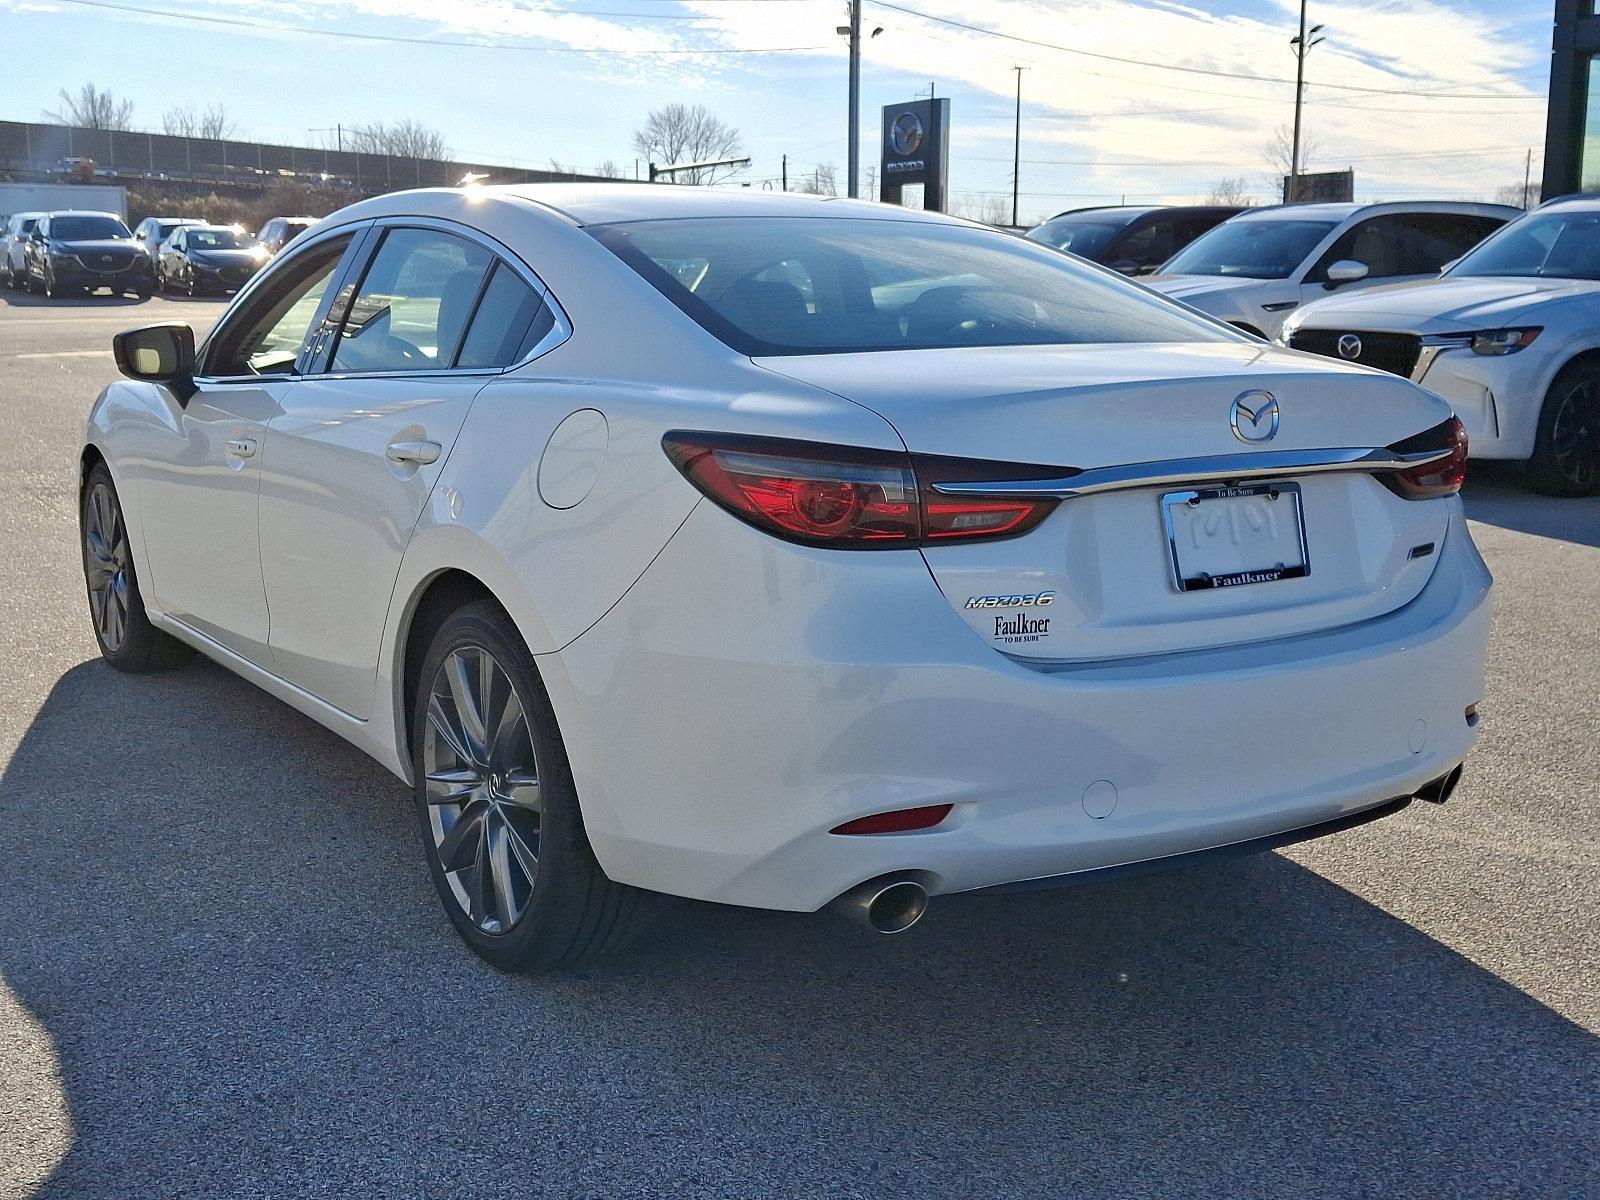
x=13 y=238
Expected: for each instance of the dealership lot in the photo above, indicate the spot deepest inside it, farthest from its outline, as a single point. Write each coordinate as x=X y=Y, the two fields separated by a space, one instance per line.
x=225 y=972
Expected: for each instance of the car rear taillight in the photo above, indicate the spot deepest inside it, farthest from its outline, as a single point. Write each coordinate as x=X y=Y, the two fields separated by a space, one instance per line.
x=1441 y=477
x=844 y=497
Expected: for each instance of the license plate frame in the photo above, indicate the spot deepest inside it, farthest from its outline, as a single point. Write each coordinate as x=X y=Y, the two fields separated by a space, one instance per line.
x=1190 y=579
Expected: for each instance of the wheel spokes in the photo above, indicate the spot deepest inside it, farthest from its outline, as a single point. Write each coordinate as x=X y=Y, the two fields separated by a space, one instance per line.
x=454 y=786
x=468 y=692
x=519 y=788
x=463 y=842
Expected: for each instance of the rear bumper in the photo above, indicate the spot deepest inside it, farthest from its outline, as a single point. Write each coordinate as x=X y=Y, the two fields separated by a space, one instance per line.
x=747 y=696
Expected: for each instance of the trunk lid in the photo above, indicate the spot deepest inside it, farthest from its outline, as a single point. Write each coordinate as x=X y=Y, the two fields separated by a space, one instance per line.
x=1107 y=562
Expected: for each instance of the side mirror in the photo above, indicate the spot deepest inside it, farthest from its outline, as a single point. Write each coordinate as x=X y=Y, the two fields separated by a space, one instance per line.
x=1346 y=270
x=157 y=354
x=1124 y=266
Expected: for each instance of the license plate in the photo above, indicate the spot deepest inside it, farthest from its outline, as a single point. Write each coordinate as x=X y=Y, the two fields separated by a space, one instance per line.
x=1232 y=536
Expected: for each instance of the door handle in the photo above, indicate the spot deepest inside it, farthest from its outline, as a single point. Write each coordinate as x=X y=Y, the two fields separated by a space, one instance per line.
x=242 y=447
x=413 y=453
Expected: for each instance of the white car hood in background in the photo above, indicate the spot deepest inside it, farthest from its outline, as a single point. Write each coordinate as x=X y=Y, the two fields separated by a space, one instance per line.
x=1193 y=287
x=1442 y=305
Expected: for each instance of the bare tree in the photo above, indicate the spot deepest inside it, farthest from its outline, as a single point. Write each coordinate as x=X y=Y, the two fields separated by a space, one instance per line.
x=989 y=209
x=679 y=133
x=187 y=121
x=1522 y=195
x=823 y=181
x=91 y=108
x=608 y=170
x=1279 y=154
x=871 y=191
x=406 y=138
x=1230 y=190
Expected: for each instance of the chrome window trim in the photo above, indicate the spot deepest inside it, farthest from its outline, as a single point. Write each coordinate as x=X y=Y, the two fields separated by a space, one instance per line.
x=560 y=330
x=1220 y=468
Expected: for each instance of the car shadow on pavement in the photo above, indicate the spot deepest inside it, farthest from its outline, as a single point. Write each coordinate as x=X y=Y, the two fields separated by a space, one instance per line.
x=1498 y=494
x=219 y=920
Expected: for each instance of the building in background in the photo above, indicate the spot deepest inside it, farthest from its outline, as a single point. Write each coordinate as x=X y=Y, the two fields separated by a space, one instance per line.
x=1572 y=133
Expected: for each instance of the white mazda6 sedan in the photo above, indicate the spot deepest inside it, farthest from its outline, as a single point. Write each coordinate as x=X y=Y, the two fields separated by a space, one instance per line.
x=786 y=552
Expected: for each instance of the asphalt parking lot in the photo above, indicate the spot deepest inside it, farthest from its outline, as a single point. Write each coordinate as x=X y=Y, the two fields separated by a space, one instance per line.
x=224 y=972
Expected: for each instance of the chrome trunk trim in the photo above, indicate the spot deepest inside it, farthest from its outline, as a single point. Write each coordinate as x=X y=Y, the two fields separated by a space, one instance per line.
x=1219 y=468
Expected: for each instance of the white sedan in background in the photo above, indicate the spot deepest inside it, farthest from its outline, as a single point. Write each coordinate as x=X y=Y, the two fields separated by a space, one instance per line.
x=1510 y=336
x=779 y=551
x=1256 y=269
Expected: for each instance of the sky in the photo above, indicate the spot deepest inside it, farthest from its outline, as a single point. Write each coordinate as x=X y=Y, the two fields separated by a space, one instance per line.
x=1136 y=101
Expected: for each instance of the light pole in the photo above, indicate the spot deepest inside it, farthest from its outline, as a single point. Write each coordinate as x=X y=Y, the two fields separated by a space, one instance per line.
x=1302 y=44
x=1016 y=150
x=853 y=32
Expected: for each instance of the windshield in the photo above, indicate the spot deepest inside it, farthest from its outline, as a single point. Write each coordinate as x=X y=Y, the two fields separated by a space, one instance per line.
x=85 y=229
x=1271 y=249
x=219 y=239
x=819 y=285
x=1081 y=235
x=1562 y=245
x=164 y=228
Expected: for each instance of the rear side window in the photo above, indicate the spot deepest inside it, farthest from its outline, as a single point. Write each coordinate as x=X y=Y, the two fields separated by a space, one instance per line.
x=509 y=321
x=412 y=307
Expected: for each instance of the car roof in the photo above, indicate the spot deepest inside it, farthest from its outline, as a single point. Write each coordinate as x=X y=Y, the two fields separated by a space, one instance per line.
x=1344 y=211
x=1131 y=211
x=80 y=212
x=1589 y=200
x=608 y=203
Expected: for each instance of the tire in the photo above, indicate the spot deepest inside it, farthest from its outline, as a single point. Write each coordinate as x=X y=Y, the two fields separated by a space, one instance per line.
x=492 y=810
x=1566 y=451
x=126 y=638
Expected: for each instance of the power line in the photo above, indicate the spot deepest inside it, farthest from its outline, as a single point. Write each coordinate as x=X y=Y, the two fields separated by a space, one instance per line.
x=1137 y=62
x=395 y=38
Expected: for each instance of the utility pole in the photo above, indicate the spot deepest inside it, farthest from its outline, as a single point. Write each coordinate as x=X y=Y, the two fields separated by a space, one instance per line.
x=1302 y=47
x=854 y=154
x=1016 y=150
x=786 y=172
x=1527 y=178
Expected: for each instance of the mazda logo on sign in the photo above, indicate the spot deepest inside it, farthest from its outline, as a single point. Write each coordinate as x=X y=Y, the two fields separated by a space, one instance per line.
x=905 y=135
x=1254 y=416
x=1349 y=346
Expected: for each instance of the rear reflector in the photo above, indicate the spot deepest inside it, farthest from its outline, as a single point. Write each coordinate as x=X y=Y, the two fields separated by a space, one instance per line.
x=1442 y=477
x=902 y=820
x=846 y=497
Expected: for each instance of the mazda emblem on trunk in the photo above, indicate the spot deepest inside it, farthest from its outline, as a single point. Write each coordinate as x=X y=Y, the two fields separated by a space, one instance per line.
x=1259 y=410
x=1349 y=346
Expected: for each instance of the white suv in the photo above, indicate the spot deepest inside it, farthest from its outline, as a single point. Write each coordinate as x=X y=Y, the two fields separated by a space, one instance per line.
x=1510 y=336
x=1254 y=270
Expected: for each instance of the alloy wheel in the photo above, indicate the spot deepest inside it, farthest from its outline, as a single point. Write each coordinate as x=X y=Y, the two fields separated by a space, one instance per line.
x=482 y=783
x=1575 y=435
x=107 y=566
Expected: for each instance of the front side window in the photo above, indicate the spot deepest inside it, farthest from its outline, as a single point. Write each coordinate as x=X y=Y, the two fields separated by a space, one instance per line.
x=413 y=304
x=810 y=285
x=218 y=239
x=1559 y=245
x=1272 y=248
x=1083 y=236
x=72 y=228
x=265 y=336
x=1405 y=243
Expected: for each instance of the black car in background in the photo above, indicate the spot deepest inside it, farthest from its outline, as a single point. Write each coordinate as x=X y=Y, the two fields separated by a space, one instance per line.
x=280 y=231
x=73 y=253
x=198 y=259
x=1131 y=239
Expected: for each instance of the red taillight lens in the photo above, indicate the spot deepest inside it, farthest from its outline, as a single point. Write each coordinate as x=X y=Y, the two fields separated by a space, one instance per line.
x=840 y=497
x=902 y=820
x=1442 y=477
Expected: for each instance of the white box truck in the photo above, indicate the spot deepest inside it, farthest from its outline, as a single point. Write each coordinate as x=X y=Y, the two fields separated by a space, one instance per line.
x=52 y=197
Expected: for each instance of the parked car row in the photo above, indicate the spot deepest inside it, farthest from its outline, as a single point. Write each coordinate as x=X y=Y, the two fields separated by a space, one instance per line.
x=74 y=253
x=1494 y=309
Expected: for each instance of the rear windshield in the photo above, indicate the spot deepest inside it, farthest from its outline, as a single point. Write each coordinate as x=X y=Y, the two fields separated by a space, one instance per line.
x=83 y=229
x=1085 y=236
x=1271 y=249
x=165 y=228
x=1559 y=245
x=821 y=285
x=218 y=239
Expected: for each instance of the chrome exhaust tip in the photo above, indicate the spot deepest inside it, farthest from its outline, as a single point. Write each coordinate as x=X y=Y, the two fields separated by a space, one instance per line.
x=1437 y=791
x=892 y=904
